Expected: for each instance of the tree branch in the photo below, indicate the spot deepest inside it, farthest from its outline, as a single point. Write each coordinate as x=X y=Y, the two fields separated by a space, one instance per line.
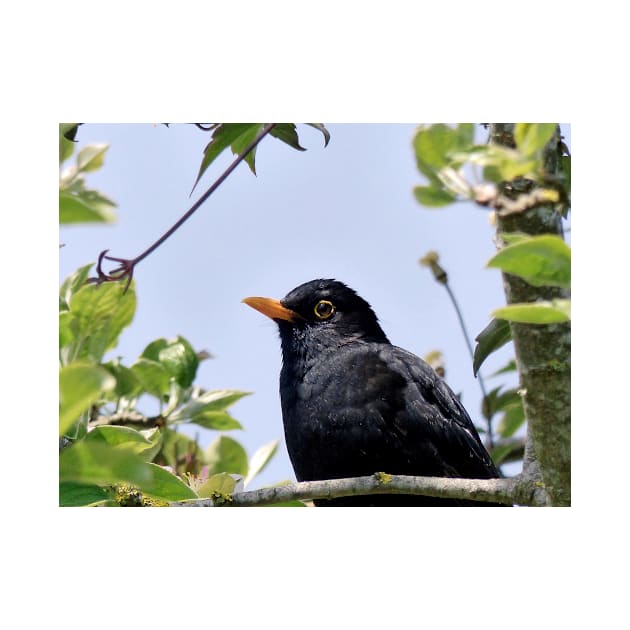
x=516 y=490
x=128 y=418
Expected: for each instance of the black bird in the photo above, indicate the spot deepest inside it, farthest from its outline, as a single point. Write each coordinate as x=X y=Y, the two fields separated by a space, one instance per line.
x=354 y=404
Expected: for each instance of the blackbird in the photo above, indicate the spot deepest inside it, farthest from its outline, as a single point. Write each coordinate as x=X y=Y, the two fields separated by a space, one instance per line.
x=354 y=404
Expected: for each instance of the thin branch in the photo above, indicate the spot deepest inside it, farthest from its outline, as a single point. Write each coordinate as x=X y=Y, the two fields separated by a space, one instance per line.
x=127 y=418
x=439 y=273
x=127 y=265
x=516 y=490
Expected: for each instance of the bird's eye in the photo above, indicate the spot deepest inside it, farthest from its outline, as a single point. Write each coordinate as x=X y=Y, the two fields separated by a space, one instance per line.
x=324 y=309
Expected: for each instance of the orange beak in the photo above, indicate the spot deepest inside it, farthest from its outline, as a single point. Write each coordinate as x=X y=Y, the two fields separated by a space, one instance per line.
x=272 y=308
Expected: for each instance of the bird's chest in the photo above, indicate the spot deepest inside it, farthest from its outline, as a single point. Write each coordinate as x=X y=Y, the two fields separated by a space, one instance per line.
x=334 y=413
x=315 y=405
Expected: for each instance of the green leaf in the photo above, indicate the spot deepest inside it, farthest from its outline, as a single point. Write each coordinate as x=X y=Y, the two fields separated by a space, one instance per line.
x=464 y=135
x=495 y=335
x=507 y=399
x=152 y=376
x=488 y=404
x=531 y=138
x=514 y=237
x=127 y=383
x=91 y=157
x=166 y=486
x=510 y=366
x=221 y=399
x=177 y=447
x=288 y=134
x=67 y=132
x=508 y=169
x=180 y=360
x=434 y=143
x=101 y=313
x=176 y=356
x=152 y=351
x=223 y=137
x=176 y=396
x=260 y=459
x=513 y=419
x=73 y=494
x=325 y=132
x=154 y=436
x=496 y=401
x=67 y=336
x=221 y=484
x=434 y=147
x=127 y=438
x=501 y=451
x=102 y=464
x=216 y=420
x=87 y=206
x=499 y=163
x=206 y=403
x=80 y=385
x=543 y=260
x=226 y=455
x=553 y=312
x=432 y=196
x=73 y=283
x=243 y=141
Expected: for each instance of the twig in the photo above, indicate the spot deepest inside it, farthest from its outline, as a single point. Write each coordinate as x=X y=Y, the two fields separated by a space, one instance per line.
x=127 y=265
x=128 y=418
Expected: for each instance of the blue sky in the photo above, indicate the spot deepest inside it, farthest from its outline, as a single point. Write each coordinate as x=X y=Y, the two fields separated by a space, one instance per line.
x=345 y=211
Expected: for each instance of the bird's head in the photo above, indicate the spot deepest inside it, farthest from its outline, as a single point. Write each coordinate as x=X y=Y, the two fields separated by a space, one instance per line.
x=320 y=314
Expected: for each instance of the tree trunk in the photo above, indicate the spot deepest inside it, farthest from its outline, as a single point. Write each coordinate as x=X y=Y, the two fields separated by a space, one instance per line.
x=543 y=352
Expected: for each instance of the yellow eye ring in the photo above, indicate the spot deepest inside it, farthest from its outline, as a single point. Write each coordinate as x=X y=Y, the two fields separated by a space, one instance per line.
x=324 y=309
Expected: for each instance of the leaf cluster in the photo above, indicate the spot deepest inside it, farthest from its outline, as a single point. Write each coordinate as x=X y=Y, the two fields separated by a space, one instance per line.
x=111 y=452
x=238 y=136
x=443 y=154
x=77 y=203
x=111 y=442
x=542 y=260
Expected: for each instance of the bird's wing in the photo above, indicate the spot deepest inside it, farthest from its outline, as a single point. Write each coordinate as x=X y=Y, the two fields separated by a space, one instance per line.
x=432 y=421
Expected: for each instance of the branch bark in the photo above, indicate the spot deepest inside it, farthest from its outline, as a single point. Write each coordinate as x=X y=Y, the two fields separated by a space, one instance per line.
x=543 y=352
x=515 y=490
